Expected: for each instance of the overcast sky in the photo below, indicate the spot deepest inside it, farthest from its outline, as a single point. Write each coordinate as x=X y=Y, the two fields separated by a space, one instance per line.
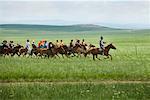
x=134 y=14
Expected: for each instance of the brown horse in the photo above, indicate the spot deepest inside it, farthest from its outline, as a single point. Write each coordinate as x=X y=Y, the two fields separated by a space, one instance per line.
x=12 y=51
x=79 y=49
x=51 y=51
x=23 y=51
x=38 y=51
x=63 y=50
x=97 y=51
x=16 y=49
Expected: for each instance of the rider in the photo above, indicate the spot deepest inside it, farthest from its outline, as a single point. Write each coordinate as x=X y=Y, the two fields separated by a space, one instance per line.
x=39 y=44
x=57 y=44
x=61 y=43
x=45 y=44
x=28 y=45
x=33 y=44
x=5 y=44
x=78 y=43
x=71 y=44
x=101 y=43
x=83 y=42
x=11 y=44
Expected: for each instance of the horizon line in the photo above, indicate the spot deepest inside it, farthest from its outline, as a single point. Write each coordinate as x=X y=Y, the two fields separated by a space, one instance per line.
x=108 y=26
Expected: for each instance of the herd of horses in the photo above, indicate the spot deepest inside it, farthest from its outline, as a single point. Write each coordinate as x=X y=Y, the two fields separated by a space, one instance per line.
x=53 y=51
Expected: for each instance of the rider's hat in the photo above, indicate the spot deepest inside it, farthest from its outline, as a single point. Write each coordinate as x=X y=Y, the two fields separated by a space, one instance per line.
x=101 y=37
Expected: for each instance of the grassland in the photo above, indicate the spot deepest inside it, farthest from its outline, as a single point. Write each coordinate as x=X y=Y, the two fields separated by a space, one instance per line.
x=130 y=63
x=88 y=91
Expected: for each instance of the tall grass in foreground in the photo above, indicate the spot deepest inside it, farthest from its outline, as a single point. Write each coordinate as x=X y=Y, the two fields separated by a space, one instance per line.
x=122 y=67
x=39 y=91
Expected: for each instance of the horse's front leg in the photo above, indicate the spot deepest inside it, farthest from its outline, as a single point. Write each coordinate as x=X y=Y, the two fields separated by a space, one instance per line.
x=110 y=56
x=57 y=55
x=73 y=53
x=13 y=54
x=62 y=55
x=17 y=53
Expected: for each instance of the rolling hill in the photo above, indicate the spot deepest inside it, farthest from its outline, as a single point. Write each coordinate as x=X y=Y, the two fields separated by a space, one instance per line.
x=70 y=28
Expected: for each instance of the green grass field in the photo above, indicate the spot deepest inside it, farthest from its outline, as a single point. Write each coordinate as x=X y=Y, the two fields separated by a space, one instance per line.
x=131 y=62
x=88 y=91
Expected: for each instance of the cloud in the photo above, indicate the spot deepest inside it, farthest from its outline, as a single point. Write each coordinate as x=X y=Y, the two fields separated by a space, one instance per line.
x=73 y=12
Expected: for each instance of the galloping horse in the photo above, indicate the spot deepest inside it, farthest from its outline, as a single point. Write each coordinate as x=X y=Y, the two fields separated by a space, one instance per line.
x=12 y=51
x=42 y=51
x=79 y=49
x=15 y=50
x=2 y=49
x=97 y=51
x=23 y=51
x=61 y=50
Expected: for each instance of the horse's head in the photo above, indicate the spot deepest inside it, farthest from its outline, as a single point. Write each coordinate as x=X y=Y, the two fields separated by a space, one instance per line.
x=112 y=46
x=51 y=45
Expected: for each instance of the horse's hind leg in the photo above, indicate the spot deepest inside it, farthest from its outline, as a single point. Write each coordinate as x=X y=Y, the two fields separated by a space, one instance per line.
x=97 y=57
x=93 y=57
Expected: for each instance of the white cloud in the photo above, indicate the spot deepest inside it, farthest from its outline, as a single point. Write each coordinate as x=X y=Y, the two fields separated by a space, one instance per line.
x=73 y=12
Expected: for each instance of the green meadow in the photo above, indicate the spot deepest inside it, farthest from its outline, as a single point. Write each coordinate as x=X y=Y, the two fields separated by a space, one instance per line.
x=88 y=91
x=131 y=62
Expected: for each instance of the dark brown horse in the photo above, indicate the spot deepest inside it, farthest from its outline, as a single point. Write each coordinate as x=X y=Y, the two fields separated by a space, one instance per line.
x=97 y=51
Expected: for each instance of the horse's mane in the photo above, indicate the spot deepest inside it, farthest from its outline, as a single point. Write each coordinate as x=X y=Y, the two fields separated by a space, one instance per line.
x=108 y=45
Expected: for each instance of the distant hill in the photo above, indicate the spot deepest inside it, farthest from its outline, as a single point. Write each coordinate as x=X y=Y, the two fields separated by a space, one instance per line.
x=78 y=27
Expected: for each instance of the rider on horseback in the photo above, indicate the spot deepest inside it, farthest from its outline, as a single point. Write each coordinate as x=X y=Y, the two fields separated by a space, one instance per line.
x=5 y=44
x=11 y=44
x=28 y=45
x=83 y=43
x=57 y=44
x=71 y=44
x=78 y=43
x=61 y=43
x=101 y=43
x=39 y=44
x=45 y=44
